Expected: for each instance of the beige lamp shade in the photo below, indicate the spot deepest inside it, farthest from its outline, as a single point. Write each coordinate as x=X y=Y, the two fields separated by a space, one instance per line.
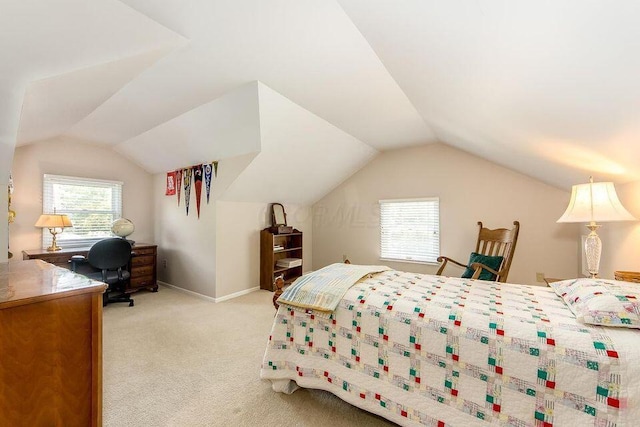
x=595 y=202
x=53 y=221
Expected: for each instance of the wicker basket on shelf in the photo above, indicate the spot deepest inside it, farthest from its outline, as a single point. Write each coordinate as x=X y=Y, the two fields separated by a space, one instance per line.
x=628 y=276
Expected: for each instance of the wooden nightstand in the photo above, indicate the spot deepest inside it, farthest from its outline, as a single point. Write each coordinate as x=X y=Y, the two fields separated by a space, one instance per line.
x=628 y=276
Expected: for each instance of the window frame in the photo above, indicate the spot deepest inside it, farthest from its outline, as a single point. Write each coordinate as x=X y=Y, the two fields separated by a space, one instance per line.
x=48 y=200
x=434 y=220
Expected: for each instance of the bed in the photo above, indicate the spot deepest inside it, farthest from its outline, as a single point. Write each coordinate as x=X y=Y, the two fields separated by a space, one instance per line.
x=431 y=350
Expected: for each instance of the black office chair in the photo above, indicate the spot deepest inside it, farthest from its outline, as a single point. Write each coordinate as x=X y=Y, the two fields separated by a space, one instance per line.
x=111 y=257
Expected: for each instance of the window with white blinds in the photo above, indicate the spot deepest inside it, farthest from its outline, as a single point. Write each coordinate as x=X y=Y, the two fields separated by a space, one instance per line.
x=91 y=204
x=410 y=230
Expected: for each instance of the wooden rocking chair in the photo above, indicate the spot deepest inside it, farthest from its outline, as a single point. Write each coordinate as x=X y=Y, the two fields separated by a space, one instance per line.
x=500 y=242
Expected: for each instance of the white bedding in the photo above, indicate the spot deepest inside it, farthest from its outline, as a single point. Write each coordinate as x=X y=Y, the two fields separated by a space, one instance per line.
x=430 y=350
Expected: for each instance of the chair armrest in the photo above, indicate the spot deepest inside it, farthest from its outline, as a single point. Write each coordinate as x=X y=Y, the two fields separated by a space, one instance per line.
x=77 y=260
x=447 y=259
x=478 y=267
x=443 y=260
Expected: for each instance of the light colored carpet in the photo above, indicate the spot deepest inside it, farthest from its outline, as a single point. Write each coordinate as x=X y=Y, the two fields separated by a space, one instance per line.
x=177 y=360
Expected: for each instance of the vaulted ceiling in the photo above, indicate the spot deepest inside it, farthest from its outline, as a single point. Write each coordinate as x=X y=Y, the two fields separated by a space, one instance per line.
x=548 y=88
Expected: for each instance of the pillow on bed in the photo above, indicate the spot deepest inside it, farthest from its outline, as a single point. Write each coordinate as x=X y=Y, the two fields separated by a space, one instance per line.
x=493 y=262
x=601 y=302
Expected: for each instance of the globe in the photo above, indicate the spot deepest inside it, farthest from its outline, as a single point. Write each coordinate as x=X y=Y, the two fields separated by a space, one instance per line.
x=122 y=227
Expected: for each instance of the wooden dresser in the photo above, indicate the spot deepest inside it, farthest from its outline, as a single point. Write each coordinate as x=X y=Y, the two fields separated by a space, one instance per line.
x=50 y=346
x=143 y=263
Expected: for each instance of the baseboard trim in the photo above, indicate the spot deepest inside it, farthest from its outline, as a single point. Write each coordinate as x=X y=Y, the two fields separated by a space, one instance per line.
x=238 y=294
x=207 y=297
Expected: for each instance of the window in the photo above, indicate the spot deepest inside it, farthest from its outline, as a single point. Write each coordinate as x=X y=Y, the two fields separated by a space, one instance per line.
x=91 y=204
x=410 y=230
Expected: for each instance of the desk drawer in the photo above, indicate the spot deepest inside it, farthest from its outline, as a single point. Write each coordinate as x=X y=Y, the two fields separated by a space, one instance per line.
x=138 y=282
x=61 y=260
x=142 y=260
x=144 y=270
x=143 y=251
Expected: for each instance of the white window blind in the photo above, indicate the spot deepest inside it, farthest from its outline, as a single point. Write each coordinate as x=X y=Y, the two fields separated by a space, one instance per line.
x=410 y=230
x=91 y=204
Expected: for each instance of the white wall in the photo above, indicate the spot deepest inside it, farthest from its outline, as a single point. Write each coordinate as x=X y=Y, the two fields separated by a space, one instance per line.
x=188 y=244
x=621 y=240
x=470 y=189
x=64 y=156
x=238 y=242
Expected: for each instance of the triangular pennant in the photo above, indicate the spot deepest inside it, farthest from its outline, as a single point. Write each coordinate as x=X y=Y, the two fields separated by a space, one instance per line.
x=186 y=177
x=207 y=179
x=197 y=182
x=178 y=183
x=171 y=184
x=215 y=168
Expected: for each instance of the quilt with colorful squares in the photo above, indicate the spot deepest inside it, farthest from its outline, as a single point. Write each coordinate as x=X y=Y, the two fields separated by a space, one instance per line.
x=436 y=351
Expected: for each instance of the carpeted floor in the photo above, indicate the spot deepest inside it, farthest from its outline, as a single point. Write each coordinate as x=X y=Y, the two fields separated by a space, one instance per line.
x=177 y=360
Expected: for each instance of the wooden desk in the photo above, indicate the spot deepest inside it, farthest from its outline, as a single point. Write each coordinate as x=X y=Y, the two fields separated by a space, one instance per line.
x=50 y=346
x=142 y=266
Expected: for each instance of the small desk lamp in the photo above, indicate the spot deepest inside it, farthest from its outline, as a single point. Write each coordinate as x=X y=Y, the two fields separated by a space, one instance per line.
x=595 y=201
x=53 y=222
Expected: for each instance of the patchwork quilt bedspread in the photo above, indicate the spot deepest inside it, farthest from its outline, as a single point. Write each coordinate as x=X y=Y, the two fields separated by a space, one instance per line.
x=431 y=350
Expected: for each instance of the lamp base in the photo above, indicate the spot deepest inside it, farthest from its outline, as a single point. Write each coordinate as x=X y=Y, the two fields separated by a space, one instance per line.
x=54 y=246
x=593 y=250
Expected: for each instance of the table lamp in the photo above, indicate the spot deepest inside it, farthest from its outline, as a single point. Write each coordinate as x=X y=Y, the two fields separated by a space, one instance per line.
x=53 y=222
x=594 y=202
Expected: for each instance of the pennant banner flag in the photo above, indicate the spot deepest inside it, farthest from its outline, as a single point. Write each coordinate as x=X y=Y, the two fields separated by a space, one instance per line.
x=171 y=184
x=207 y=179
x=178 y=183
x=186 y=177
x=215 y=168
x=197 y=182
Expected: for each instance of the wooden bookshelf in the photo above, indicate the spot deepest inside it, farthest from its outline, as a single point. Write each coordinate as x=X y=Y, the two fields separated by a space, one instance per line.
x=291 y=244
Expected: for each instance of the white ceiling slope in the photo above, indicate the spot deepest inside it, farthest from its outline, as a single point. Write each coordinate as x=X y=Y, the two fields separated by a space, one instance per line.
x=53 y=106
x=548 y=88
x=47 y=38
x=41 y=39
x=226 y=127
x=302 y=157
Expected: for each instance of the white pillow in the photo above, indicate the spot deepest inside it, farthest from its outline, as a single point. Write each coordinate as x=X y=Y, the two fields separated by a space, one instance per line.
x=601 y=302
